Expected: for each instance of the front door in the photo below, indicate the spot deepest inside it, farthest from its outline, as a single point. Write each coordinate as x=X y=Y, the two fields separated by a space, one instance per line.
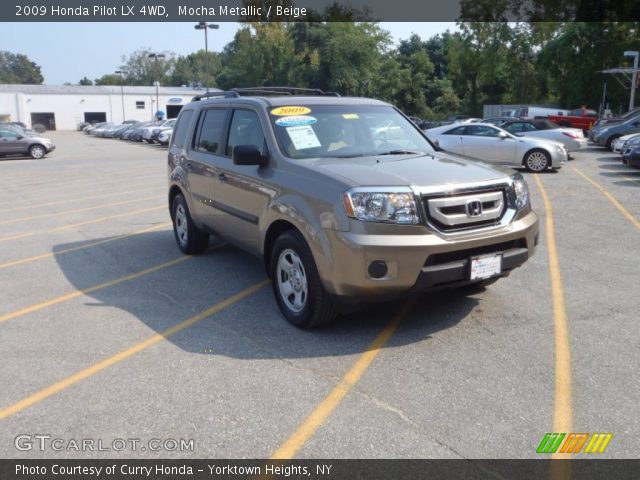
x=10 y=144
x=241 y=193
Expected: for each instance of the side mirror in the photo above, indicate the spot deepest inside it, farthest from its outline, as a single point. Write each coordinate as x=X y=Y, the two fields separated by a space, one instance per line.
x=248 y=155
x=502 y=135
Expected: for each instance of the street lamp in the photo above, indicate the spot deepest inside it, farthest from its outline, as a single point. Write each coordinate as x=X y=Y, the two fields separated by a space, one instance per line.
x=206 y=26
x=121 y=73
x=634 y=77
x=156 y=56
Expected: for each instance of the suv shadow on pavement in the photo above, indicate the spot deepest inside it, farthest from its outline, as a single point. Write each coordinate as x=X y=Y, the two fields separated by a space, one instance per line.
x=252 y=328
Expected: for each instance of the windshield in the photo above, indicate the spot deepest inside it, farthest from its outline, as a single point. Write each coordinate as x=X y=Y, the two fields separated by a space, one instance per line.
x=345 y=131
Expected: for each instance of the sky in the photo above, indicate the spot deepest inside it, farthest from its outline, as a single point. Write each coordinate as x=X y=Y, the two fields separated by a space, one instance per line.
x=67 y=52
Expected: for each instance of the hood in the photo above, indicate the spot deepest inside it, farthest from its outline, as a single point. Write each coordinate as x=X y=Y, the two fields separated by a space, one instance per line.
x=410 y=170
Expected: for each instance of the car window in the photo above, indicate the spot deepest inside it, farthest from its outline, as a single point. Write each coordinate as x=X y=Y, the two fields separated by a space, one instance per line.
x=527 y=127
x=8 y=134
x=209 y=136
x=456 y=131
x=513 y=127
x=182 y=127
x=245 y=129
x=481 y=131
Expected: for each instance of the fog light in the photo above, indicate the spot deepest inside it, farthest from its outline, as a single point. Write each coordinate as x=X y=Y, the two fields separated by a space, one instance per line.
x=378 y=269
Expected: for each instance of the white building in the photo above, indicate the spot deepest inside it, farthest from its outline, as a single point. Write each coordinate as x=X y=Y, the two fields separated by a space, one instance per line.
x=63 y=107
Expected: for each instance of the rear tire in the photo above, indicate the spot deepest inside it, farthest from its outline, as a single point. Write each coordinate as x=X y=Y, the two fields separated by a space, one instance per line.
x=37 y=151
x=537 y=160
x=190 y=239
x=296 y=283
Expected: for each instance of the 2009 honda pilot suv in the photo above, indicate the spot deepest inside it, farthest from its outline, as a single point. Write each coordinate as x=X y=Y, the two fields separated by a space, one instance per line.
x=344 y=198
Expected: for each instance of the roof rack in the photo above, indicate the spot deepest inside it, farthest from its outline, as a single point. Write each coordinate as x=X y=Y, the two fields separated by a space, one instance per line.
x=267 y=91
x=284 y=91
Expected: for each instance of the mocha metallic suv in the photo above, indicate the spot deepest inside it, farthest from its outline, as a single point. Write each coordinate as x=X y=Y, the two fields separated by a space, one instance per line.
x=344 y=198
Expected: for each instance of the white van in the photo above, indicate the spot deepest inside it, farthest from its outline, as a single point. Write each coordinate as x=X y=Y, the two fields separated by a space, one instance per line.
x=533 y=112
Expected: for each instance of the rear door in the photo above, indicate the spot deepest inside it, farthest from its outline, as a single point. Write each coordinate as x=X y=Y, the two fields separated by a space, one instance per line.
x=204 y=154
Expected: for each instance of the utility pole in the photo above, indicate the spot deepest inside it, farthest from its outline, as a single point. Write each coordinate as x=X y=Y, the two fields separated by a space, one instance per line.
x=634 y=76
x=206 y=26
x=156 y=56
x=120 y=72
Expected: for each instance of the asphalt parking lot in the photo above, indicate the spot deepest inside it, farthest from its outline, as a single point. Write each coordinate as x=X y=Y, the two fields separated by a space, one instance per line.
x=108 y=332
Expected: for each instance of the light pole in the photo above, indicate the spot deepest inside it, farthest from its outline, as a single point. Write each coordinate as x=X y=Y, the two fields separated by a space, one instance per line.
x=206 y=26
x=156 y=56
x=634 y=76
x=121 y=73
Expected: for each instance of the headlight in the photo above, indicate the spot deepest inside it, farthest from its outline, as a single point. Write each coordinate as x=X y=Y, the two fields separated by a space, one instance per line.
x=376 y=206
x=521 y=191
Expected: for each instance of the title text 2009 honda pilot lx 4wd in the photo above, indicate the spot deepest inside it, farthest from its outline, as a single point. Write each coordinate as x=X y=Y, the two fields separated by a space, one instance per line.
x=344 y=198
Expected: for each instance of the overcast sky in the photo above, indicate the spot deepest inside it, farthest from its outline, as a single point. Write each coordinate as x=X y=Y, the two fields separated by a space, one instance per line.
x=69 y=51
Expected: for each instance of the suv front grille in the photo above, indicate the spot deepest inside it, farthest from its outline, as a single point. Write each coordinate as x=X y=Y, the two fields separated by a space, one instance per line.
x=465 y=211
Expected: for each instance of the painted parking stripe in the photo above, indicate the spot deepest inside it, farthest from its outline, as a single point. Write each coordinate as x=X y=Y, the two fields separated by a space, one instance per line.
x=563 y=408
x=79 y=224
x=292 y=445
x=78 y=293
x=34 y=258
x=634 y=221
x=124 y=354
x=79 y=210
x=62 y=200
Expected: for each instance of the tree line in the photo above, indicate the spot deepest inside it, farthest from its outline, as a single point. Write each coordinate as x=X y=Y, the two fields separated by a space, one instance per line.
x=556 y=63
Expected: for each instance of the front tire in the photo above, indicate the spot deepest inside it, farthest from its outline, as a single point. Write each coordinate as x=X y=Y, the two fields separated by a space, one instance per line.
x=37 y=151
x=190 y=239
x=537 y=160
x=296 y=283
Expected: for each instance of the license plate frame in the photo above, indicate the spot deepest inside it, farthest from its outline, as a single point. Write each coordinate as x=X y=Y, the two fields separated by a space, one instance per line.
x=482 y=267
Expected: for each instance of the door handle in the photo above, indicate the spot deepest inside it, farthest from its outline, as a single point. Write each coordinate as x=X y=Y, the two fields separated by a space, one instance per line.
x=222 y=177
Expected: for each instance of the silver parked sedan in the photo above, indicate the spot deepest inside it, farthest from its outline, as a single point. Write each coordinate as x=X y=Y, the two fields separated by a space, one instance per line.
x=495 y=145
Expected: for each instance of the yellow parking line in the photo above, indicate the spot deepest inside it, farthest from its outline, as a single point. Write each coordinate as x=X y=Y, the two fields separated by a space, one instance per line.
x=76 y=199
x=72 y=225
x=563 y=410
x=21 y=261
x=296 y=441
x=611 y=199
x=78 y=210
x=124 y=354
x=84 y=291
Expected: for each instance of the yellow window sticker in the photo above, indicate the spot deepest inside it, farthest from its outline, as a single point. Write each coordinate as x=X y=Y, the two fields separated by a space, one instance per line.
x=290 y=110
x=350 y=116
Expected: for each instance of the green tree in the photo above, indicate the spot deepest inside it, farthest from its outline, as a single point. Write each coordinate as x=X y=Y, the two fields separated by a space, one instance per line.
x=17 y=68
x=85 y=81
x=139 y=69
x=110 y=79
x=196 y=68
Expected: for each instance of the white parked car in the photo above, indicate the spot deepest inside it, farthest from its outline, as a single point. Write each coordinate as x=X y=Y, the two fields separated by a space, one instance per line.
x=495 y=145
x=573 y=139
x=619 y=145
x=165 y=136
x=148 y=132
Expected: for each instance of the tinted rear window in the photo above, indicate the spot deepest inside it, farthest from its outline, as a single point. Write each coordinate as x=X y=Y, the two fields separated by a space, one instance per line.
x=180 y=133
x=212 y=124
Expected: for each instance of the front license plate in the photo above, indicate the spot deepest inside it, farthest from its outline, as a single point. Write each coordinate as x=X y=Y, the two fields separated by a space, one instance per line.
x=486 y=266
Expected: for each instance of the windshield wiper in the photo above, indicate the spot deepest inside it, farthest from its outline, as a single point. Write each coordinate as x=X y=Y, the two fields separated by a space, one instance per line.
x=400 y=152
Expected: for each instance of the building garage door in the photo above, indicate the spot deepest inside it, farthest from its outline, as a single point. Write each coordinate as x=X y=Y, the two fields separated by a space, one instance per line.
x=95 y=117
x=173 y=110
x=46 y=119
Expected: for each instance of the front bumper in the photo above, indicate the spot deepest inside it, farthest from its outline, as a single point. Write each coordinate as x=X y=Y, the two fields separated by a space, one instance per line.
x=420 y=262
x=631 y=159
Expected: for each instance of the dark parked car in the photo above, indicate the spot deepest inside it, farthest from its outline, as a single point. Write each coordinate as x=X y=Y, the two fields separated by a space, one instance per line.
x=631 y=157
x=13 y=143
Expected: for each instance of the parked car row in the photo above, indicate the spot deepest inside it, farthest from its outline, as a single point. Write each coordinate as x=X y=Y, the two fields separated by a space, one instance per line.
x=15 y=139
x=606 y=133
x=149 y=132
x=628 y=146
